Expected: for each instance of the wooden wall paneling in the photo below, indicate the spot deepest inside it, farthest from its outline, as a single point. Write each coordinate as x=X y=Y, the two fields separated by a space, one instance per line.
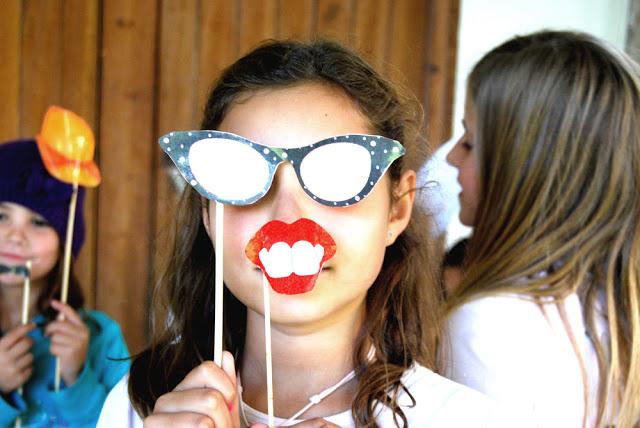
x=219 y=45
x=371 y=20
x=295 y=19
x=439 y=73
x=80 y=94
x=134 y=77
x=176 y=110
x=178 y=59
x=405 y=49
x=10 y=46
x=258 y=21
x=127 y=158
x=41 y=62
x=334 y=19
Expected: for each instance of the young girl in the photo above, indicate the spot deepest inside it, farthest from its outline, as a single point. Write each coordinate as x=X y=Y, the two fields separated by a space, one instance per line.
x=546 y=317
x=372 y=309
x=33 y=219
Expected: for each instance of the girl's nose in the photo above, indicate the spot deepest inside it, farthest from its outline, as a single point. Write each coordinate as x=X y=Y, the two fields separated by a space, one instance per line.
x=289 y=201
x=16 y=234
x=452 y=156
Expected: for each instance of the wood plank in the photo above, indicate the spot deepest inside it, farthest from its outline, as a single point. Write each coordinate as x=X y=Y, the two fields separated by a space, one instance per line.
x=10 y=37
x=126 y=156
x=41 y=62
x=258 y=21
x=219 y=45
x=334 y=19
x=405 y=53
x=439 y=73
x=370 y=29
x=177 y=110
x=295 y=19
x=80 y=94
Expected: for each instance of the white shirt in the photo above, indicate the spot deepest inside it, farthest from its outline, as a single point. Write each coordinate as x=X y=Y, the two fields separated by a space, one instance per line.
x=440 y=403
x=520 y=354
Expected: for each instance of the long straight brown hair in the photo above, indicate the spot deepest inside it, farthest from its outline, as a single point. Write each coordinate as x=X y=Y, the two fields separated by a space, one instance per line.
x=401 y=306
x=558 y=134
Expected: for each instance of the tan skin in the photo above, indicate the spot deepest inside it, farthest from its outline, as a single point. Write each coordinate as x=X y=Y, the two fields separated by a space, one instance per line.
x=464 y=157
x=312 y=333
x=25 y=235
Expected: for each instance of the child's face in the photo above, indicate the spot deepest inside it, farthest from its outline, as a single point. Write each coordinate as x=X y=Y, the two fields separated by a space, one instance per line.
x=26 y=235
x=294 y=117
x=464 y=156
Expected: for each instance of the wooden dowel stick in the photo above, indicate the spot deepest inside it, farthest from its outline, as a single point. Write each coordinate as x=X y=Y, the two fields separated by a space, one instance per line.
x=219 y=286
x=67 y=266
x=26 y=297
x=267 y=349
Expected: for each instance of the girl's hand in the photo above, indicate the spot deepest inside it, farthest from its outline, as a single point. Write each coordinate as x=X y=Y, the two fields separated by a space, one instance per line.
x=69 y=341
x=15 y=359
x=206 y=397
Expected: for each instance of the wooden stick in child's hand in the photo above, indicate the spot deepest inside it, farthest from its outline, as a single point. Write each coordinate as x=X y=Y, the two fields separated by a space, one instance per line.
x=26 y=291
x=67 y=266
x=218 y=342
x=68 y=245
x=267 y=348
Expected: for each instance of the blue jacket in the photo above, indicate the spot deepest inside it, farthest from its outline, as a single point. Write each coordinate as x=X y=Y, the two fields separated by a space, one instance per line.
x=78 y=405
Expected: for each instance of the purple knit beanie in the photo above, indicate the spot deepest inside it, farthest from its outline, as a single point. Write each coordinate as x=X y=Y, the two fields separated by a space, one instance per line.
x=25 y=181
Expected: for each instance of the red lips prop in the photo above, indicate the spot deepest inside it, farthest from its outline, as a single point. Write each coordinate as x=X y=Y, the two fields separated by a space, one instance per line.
x=312 y=235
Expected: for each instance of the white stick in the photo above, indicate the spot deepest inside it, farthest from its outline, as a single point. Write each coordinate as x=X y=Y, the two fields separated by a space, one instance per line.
x=218 y=342
x=267 y=348
x=67 y=267
x=26 y=292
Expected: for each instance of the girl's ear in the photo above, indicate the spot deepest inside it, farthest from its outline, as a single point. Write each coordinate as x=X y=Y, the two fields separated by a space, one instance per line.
x=205 y=216
x=403 y=196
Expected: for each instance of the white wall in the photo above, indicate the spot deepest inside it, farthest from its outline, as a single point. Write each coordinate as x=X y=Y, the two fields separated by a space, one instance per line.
x=486 y=23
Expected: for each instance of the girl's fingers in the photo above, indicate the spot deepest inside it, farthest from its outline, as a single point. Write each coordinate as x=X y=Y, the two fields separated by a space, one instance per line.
x=65 y=326
x=67 y=311
x=20 y=348
x=8 y=340
x=65 y=341
x=172 y=420
x=209 y=375
x=63 y=351
x=23 y=376
x=203 y=401
x=229 y=366
x=24 y=362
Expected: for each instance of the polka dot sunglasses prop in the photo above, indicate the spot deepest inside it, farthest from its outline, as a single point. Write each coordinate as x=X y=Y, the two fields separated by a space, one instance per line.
x=230 y=169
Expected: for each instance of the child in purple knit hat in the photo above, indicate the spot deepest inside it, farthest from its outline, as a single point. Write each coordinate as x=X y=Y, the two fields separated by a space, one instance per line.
x=34 y=207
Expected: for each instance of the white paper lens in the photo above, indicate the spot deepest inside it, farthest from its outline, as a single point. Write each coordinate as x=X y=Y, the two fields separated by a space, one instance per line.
x=228 y=169
x=337 y=171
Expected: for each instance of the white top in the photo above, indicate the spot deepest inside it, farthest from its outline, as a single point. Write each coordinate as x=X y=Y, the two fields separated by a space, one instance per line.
x=440 y=403
x=520 y=354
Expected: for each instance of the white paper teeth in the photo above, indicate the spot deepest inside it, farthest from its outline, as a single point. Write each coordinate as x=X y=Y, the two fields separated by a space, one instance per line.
x=302 y=259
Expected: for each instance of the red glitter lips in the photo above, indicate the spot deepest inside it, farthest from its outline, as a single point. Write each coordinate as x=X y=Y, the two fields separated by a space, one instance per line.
x=291 y=255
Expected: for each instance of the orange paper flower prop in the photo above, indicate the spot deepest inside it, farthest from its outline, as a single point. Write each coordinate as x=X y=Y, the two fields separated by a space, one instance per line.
x=66 y=144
